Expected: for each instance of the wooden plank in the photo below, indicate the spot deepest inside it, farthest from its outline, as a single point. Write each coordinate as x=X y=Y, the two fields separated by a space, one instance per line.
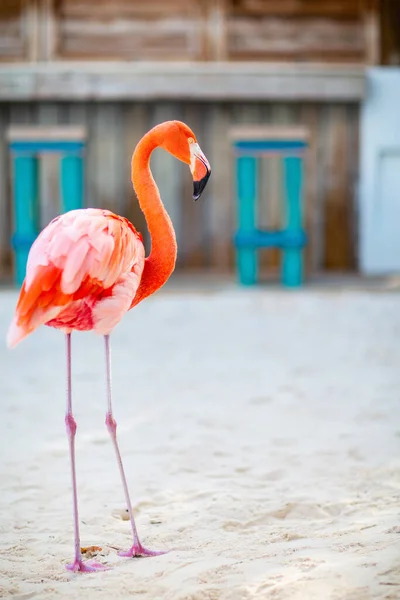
x=127 y=9
x=49 y=183
x=77 y=114
x=205 y=136
x=12 y=31
x=21 y=114
x=390 y=33
x=167 y=171
x=105 y=162
x=295 y=38
x=216 y=39
x=193 y=250
x=136 y=121
x=31 y=30
x=47 y=30
x=284 y=117
x=221 y=216
x=312 y=220
x=353 y=141
x=267 y=170
x=168 y=30
x=48 y=114
x=191 y=81
x=322 y=180
x=331 y=8
x=276 y=132
x=5 y=221
x=270 y=210
x=372 y=29
x=338 y=203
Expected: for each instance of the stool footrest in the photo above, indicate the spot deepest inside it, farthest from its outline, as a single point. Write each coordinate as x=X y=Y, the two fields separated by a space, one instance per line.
x=20 y=240
x=270 y=239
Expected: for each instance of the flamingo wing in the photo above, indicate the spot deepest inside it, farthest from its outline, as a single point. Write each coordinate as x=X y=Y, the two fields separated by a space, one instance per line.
x=80 y=254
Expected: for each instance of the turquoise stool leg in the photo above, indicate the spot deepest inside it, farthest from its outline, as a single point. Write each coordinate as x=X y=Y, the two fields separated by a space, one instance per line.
x=26 y=211
x=71 y=182
x=247 y=199
x=292 y=257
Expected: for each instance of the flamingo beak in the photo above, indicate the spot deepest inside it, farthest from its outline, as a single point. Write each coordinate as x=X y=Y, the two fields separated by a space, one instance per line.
x=200 y=169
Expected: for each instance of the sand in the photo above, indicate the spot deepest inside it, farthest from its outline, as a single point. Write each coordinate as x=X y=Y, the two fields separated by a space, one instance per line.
x=260 y=432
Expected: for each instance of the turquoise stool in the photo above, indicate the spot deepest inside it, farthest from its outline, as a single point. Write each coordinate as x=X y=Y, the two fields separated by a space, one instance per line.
x=249 y=145
x=26 y=145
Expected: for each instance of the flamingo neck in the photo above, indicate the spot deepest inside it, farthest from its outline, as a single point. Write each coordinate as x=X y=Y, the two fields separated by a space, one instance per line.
x=160 y=264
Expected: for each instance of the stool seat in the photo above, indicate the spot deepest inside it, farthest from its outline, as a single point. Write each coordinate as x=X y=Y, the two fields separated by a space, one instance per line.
x=26 y=145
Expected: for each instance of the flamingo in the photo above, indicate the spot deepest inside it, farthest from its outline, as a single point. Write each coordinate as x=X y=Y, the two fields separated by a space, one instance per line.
x=87 y=268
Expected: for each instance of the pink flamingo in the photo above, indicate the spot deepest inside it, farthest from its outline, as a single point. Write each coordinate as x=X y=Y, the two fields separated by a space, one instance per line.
x=87 y=268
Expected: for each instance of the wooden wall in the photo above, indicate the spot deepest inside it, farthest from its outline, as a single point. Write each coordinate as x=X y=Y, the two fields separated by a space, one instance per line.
x=338 y=31
x=204 y=229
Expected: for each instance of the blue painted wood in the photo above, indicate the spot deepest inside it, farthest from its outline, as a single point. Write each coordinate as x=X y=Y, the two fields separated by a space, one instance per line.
x=26 y=211
x=35 y=146
x=71 y=182
x=246 y=199
x=271 y=239
x=249 y=239
x=26 y=190
x=253 y=146
x=292 y=264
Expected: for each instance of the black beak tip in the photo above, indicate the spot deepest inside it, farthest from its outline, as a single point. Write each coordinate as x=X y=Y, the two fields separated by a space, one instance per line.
x=198 y=186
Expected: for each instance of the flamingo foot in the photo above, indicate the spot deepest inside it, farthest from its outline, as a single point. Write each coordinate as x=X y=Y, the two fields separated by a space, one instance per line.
x=86 y=567
x=139 y=550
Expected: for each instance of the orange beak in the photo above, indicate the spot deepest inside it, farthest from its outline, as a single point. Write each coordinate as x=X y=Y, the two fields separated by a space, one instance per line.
x=200 y=169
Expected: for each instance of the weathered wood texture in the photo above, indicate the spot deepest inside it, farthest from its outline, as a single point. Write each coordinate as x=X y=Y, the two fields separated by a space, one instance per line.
x=390 y=32
x=205 y=228
x=13 y=34
x=294 y=38
x=191 y=30
x=129 y=29
x=186 y=81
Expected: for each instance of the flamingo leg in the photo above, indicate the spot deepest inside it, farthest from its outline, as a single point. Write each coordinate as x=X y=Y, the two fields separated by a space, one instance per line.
x=78 y=564
x=137 y=549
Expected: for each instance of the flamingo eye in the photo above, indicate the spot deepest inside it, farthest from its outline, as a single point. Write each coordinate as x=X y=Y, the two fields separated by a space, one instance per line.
x=191 y=140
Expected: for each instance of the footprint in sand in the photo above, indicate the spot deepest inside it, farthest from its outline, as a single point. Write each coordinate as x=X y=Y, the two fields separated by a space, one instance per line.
x=274 y=475
x=297 y=510
x=284 y=442
x=260 y=400
x=355 y=455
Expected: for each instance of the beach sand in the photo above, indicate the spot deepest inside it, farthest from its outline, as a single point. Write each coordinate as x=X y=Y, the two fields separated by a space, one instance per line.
x=260 y=432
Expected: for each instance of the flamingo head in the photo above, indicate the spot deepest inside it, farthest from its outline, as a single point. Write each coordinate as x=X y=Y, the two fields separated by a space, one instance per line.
x=180 y=141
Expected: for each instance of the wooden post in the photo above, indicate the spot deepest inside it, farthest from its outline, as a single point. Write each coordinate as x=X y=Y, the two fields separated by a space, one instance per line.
x=372 y=12
x=71 y=182
x=247 y=200
x=25 y=210
x=292 y=266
